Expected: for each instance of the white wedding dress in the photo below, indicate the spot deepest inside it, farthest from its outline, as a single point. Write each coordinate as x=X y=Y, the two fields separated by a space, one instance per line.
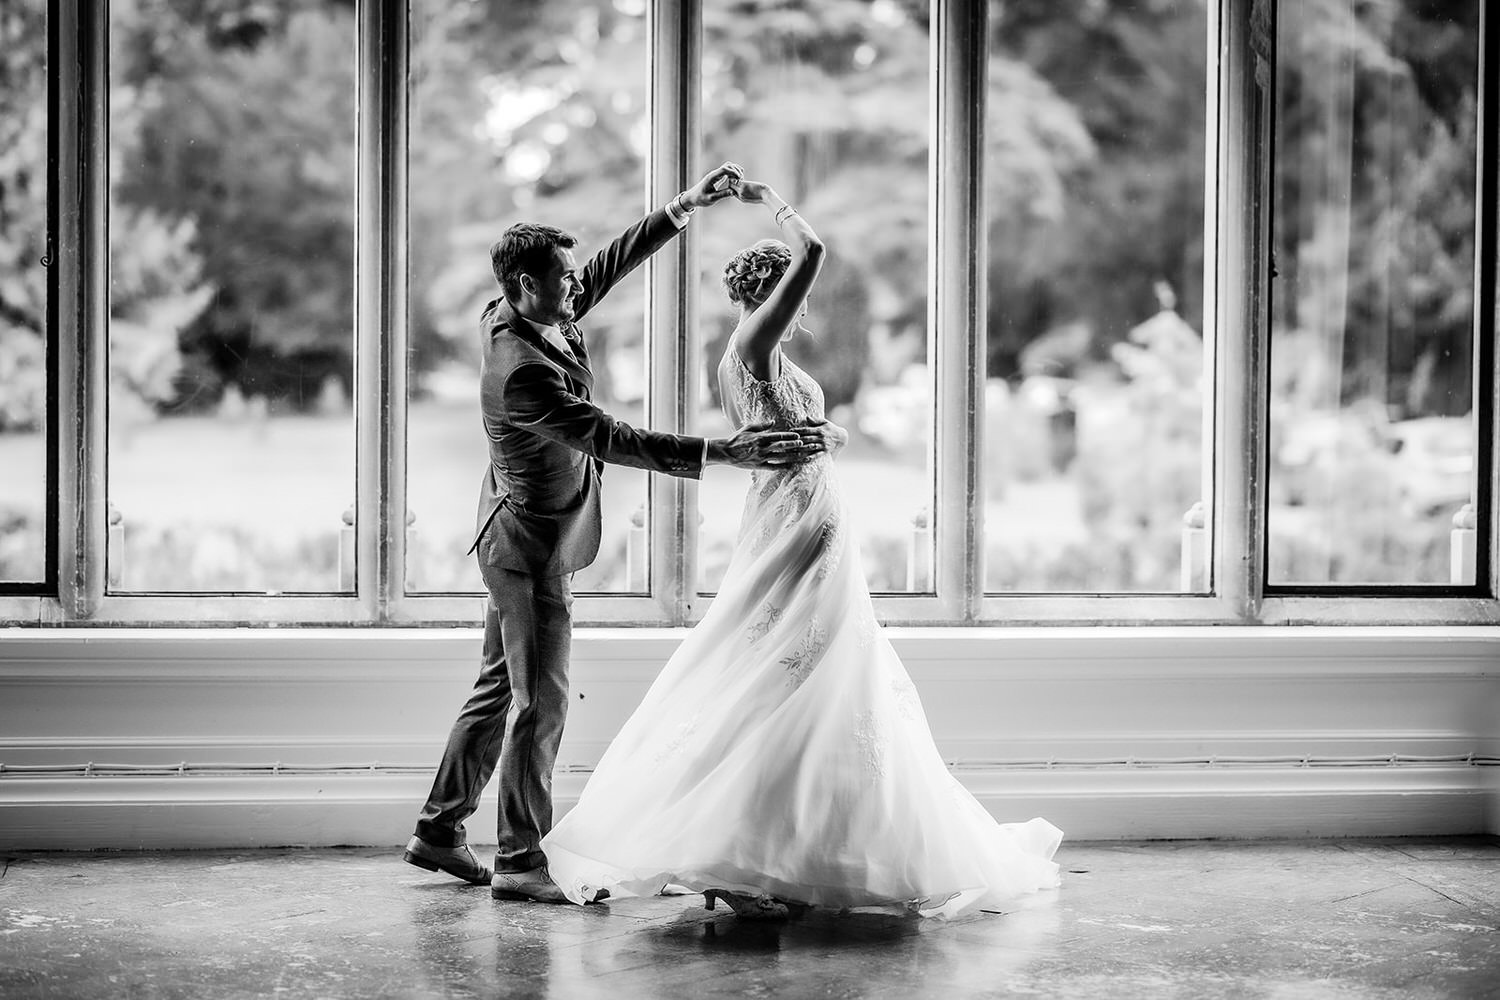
x=783 y=748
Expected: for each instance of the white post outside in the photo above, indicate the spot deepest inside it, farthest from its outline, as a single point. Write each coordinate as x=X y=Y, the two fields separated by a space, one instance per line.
x=919 y=553
x=347 y=578
x=1461 y=542
x=637 y=553
x=115 y=557
x=1194 y=571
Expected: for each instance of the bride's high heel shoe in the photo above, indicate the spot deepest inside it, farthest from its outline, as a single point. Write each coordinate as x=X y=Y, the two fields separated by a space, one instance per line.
x=747 y=907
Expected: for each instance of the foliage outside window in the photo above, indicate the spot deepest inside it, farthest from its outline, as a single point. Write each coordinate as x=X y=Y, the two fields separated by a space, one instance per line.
x=1372 y=434
x=830 y=106
x=23 y=291
x=1095 y=393
x=235 y=221
x=537 y=114
x=232 y=169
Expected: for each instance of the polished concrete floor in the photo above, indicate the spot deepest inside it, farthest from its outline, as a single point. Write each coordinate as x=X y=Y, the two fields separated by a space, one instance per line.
x=1389 y=918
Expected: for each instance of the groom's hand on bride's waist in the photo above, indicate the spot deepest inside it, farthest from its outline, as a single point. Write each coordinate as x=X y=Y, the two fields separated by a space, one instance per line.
x=757 y=446
x=829 y=433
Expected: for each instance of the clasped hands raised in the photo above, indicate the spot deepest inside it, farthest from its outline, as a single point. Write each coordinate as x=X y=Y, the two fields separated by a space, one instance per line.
x=727 y=180
x=759 y=445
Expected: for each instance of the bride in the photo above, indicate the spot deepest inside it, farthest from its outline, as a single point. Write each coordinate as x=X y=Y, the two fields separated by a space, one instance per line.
x=782 y=756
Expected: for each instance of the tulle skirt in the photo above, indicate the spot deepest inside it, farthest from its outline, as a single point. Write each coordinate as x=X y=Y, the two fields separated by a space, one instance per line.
x=783 y=749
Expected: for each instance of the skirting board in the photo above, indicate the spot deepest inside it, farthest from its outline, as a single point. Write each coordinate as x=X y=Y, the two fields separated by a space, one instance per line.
x=353 y=809
x=1117 y=699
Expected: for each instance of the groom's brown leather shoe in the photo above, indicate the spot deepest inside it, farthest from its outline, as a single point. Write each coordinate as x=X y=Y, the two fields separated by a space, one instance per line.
x=456 y=861
x=536 y=885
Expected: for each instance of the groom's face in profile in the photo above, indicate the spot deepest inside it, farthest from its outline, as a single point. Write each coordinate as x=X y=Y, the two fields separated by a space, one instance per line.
x=552 y=292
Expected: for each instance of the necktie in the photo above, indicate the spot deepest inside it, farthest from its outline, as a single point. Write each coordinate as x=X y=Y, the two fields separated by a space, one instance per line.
x=554 y=337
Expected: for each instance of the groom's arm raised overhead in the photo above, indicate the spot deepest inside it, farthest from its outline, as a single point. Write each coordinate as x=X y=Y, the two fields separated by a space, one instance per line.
x=545 y=296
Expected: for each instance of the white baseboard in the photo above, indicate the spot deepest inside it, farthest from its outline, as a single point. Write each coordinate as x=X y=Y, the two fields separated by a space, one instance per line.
x=126 y=813
x=382 y=700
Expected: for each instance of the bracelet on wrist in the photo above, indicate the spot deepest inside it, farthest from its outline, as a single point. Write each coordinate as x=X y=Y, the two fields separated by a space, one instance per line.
x=783 y=213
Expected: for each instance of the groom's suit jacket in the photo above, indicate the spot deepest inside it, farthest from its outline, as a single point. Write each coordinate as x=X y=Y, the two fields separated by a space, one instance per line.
x=548 y=442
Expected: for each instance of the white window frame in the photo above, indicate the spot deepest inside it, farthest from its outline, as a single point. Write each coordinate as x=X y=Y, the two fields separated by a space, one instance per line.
x=1236 y=283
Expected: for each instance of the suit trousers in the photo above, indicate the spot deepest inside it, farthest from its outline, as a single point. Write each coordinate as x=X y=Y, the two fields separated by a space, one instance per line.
x=514 y=718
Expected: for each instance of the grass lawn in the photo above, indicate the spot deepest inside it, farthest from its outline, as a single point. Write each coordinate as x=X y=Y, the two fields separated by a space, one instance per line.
x=256 y=503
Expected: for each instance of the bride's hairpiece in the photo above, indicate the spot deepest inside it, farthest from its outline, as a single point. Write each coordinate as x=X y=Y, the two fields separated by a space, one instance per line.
x=752 y=273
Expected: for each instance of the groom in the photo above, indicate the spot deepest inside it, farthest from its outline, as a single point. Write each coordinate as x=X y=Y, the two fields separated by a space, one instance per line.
x=539 y=522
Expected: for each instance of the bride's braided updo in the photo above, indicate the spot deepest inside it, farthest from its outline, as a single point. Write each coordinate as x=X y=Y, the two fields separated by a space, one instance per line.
x=752 y=273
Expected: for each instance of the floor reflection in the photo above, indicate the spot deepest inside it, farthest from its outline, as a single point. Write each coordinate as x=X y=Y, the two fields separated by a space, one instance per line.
x=1201 y=920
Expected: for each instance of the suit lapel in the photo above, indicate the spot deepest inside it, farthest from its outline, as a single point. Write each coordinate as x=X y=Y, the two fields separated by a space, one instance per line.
x=585 y=372
x=575 y=367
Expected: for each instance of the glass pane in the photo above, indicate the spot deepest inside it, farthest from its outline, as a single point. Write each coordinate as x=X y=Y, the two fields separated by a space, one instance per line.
x=830 y=106
x=23 y=291
x=1372 y=448
x=519 y=113
x=232 y=170
x=1095 y=396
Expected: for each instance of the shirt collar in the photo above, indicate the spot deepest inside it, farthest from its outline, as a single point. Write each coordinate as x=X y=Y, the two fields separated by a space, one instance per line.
x=542 y=328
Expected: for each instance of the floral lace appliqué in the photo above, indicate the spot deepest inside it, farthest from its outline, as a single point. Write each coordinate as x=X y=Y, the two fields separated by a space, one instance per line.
x=908 y=705
x=801 y=660
x=679 y=740
x=871 y=738
x=769 y=617
x=792 y=492
x=794 y=398
x=781 y=496
x=832 y=543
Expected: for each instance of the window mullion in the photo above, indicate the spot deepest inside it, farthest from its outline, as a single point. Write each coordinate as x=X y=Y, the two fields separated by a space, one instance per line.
x=672 y=299
x=81 y=289
x=1486 y=310
x=395 y=517
x=956 y=342
x=380 y=317
x=1242 y=314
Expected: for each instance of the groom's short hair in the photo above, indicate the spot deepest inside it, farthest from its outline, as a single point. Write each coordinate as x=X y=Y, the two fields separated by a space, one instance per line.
x=525 y=248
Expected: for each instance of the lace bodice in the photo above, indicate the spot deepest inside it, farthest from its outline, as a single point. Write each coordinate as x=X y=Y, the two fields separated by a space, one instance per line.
x=793 y=398
x=779 y=497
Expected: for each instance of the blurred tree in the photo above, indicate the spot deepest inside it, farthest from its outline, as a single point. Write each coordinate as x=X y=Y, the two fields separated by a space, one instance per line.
x=23 y=213
x=246 y=125
x=1146 y=429
x=1375 y=197
x=530 y=112
x=1125 y=207
x=239 y=116
x=155 y=293
x=827 y=102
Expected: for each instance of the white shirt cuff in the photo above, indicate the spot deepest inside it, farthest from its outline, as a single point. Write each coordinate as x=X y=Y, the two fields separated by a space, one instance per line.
x=677 y=215
x=704 y=463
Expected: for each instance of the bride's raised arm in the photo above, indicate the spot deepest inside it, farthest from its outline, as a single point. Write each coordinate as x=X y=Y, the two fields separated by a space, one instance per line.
x=768 y=321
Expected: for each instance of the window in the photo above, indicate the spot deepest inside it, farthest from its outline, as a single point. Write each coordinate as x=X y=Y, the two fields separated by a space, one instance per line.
x=24 y=323
x=506 y=131
x=1141 y=312
x=1094 y=395
x=231 y=300
x=1373 y=431
x=831 y=108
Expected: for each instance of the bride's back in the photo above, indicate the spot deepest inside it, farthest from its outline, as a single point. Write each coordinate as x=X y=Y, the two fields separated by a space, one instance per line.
x=792 y=398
